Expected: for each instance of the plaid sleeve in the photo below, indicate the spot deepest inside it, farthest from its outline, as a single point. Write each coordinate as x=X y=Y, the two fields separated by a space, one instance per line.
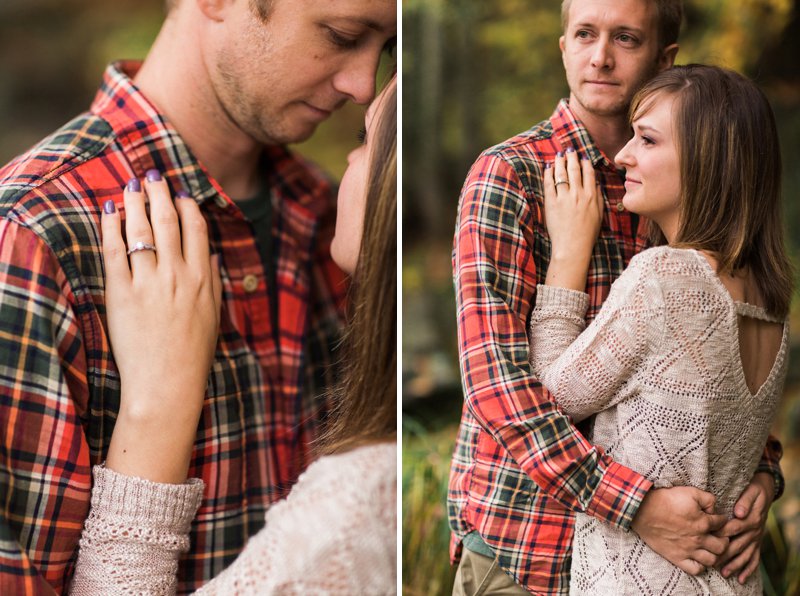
x=771 y=464
x=44 y=458
x=495 y=268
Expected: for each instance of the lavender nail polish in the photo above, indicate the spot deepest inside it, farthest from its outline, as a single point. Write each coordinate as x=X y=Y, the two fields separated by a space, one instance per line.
x=182 y=194
x=571 y=150
x=109 y=207
x=560 y=154
x=548 y=165
x=134 y=185
x=153 y=175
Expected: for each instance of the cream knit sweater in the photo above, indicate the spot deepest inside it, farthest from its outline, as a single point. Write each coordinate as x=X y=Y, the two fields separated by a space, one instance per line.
x=334 y=534
x=661 y=367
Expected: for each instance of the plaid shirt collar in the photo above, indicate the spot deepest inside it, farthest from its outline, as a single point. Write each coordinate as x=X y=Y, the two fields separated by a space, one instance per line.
x=132 y=118
x=571 y=132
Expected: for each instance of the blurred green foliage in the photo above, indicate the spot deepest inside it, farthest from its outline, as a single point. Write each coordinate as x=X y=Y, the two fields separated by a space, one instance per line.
x=476 y=72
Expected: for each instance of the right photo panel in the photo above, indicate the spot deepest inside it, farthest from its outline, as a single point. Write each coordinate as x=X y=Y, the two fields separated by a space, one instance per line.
x=601 y=313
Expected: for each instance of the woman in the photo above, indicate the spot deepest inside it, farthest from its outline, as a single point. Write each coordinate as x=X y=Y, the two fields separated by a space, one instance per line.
x=336 y=532
x=690 y=349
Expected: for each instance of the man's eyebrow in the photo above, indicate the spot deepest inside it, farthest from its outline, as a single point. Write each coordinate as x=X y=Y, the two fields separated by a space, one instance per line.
x=366 y=22
x=620 y=29
x=628 y=29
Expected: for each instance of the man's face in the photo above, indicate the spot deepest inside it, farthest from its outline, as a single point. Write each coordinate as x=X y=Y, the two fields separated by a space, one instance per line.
x=610 y=49
x=278 y=79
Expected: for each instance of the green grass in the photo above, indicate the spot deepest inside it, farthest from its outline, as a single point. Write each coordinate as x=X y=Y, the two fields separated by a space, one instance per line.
x=426 y=535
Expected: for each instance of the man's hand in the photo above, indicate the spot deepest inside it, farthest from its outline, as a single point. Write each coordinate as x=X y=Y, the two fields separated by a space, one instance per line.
x=746 y=528
x=678 y=523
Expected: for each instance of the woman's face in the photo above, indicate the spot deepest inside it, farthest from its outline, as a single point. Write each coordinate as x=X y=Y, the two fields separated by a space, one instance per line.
x=353 y=193
x=652 y=167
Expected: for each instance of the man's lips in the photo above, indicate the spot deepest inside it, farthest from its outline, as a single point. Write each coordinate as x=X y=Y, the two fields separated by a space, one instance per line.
x=321 y=112
x=604 y=83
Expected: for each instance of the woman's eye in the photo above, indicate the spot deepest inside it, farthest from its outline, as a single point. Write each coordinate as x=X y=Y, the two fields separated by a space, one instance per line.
x=647 y=141
x=362 y=135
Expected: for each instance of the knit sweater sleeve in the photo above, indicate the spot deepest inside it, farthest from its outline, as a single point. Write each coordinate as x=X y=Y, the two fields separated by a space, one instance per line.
x=557 y=320
x=134 y=535
x=334 y=534
x=586 y=371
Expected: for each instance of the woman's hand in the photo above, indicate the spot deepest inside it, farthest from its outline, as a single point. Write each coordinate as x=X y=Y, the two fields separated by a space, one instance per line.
x=573 y=211
x=163 y=320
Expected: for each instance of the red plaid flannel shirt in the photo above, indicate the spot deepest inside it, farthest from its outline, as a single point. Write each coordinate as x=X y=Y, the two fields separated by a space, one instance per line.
x=520 y=468
x=59 y=388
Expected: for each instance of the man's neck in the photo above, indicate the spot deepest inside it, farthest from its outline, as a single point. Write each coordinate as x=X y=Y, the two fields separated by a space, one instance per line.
x=175 y=79
x=609 y=133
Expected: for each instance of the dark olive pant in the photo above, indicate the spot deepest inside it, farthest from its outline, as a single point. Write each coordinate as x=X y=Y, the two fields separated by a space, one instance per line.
x=479 y=574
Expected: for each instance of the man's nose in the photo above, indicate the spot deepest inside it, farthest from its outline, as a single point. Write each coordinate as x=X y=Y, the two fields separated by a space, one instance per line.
x=356 y=79
x=602 y=56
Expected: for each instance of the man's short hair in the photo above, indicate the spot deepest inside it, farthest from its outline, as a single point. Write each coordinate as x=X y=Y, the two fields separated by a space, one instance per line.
x=669 y=14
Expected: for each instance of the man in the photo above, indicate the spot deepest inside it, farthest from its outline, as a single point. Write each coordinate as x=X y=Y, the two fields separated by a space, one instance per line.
x=226 y=84
x=520 y=468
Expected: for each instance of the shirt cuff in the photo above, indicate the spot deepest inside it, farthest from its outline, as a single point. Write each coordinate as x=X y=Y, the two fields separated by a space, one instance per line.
x=168 y=505
x=777 y=479
x=618 y=497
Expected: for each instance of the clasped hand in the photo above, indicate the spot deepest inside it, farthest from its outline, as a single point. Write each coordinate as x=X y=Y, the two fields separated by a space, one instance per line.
x=680 y=524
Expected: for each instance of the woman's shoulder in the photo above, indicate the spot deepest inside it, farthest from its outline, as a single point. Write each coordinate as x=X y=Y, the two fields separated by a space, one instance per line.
x=679 y=278
x=374 y=456
x=657 y=272
x=334 y=534
x=361 y=474
x=670 y=263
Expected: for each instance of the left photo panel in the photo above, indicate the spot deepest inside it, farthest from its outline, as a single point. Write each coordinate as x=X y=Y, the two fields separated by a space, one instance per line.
x=198 y=296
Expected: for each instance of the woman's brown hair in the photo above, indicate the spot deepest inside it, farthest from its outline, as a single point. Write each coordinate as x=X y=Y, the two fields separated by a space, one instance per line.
x=730 y=170
x=365 y=404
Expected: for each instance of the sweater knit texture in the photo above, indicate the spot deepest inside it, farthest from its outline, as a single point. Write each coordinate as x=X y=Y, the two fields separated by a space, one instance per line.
x=334 y=534
x=661 y=367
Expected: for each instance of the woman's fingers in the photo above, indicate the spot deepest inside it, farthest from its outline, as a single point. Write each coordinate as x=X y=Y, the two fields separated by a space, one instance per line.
x=574 y=174
x=138 y=233
x=562 y=181
x=587 y=174
x=549 y=184
x=216 y=284
x=114 y=250
x=194 y=233
x=163 y=219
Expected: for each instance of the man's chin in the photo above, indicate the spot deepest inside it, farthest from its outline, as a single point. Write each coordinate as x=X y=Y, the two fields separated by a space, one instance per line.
x=287 y=137
x=607 y=108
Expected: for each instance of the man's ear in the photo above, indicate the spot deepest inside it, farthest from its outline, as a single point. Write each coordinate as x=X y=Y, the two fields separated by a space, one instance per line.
x=561 y=47
x=666 y=58
x=216 y=10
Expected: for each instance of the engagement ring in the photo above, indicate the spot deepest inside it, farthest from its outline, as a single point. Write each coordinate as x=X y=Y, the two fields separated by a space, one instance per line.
x=141 y=246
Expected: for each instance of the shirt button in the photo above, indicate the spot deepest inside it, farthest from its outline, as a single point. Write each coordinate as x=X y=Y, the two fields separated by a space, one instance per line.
x=250 y=283
x=620 y=206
